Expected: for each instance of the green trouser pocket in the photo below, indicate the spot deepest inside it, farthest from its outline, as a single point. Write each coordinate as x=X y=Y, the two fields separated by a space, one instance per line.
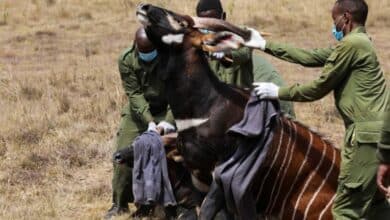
x=357 y=186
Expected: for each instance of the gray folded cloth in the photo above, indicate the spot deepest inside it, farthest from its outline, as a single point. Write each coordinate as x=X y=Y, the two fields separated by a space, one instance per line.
x=151 y=183
x=233 y=179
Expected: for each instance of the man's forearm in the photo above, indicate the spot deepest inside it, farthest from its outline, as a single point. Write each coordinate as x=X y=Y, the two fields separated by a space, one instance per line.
x=309 y=58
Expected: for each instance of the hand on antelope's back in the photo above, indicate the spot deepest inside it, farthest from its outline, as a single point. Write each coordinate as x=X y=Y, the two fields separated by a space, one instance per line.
x=266 y=90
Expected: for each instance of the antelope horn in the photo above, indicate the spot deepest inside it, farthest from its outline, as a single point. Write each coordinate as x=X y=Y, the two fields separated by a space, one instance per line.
x=221 y=25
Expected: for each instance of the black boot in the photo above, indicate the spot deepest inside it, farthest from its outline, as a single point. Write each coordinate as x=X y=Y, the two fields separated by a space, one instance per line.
x=143 y=211
x=170 y=212
x=116 y=210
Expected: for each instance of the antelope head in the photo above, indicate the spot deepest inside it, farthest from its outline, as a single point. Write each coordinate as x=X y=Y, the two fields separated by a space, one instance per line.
x=174 y=29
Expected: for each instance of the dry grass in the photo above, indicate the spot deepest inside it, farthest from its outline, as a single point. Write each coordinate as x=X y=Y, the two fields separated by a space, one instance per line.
x=60 y=93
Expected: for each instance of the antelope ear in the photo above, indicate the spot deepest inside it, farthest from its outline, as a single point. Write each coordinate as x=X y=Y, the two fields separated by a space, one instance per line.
x=197 y=38
x=190 y=21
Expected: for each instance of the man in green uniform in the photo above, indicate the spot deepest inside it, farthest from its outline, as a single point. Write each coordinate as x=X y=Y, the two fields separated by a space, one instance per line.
x=146 y=107
x=353 y=73
x=239 y=67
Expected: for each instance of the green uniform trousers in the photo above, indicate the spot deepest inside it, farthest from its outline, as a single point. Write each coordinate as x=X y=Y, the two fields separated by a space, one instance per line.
x=357 y=195
x=130 y=127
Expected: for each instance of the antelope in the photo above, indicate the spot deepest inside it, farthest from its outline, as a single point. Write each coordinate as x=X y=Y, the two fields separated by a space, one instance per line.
x=298 y=178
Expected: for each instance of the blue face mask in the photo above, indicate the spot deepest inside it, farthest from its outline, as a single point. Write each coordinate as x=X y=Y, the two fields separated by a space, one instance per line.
x=337 y=34
x=148 y=57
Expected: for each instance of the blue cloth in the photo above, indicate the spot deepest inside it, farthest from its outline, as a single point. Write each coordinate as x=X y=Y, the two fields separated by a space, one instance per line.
x=151 y=183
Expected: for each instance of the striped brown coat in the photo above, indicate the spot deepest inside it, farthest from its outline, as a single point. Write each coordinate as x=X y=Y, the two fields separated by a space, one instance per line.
x=298 y=179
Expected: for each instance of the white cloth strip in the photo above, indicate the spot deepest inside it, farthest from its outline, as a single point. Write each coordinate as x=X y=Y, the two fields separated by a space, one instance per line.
x=184 y=124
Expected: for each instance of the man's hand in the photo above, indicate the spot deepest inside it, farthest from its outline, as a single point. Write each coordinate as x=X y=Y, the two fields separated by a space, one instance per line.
x=166 y=127
x=152 y=127
x=266 y=90
x=382 y=175
x=256 y=41
x=217 y=55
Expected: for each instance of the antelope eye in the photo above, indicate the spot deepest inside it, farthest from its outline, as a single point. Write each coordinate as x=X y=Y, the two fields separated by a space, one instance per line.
x=184 y=24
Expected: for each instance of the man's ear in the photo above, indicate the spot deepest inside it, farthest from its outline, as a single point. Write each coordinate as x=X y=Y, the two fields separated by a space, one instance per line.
x=348 y=16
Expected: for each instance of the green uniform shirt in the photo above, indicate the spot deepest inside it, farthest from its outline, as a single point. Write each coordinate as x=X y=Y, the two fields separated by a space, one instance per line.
x=247 y=68
x=352 y=71
x=144 y=88
x=263 y=71
x=239 y=72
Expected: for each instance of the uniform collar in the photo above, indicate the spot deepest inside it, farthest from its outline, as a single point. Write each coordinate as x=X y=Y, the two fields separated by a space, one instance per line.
x=359 y=29
x=148 y=67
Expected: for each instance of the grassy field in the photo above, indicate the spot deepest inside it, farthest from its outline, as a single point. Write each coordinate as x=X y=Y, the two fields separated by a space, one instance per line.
x=61 y=95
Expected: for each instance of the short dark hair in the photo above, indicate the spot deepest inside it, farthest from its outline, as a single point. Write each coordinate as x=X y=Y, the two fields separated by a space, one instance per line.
x=206 y=5
x=357 y=8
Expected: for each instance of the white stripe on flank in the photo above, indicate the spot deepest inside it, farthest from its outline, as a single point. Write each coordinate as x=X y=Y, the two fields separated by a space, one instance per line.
x=327 y=207
x=308 y=182
x=298 y=174
x=273 y=162
x=185 y=124
x=288 y=164
x=327 y=176
x=272 y=200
